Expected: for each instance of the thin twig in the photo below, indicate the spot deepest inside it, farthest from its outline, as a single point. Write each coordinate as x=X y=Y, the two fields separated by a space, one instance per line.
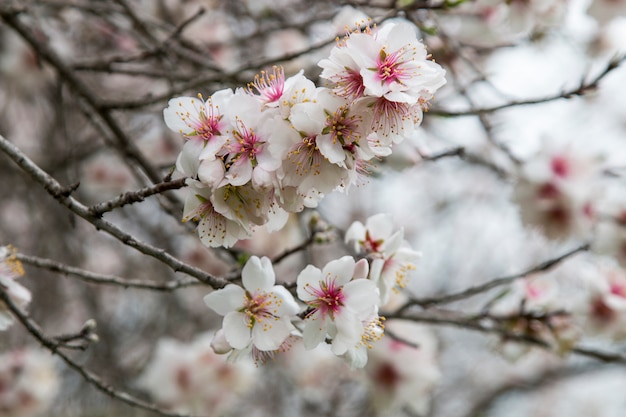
x=581 y=90
x=105 y=279
x=478 y=289
x=308 y=242
x=473 y=323
x=61 y=194
x=131 y=197
x=55 y=347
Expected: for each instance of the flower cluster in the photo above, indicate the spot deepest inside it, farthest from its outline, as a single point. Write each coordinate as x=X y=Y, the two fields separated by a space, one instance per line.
x=10 y=270
x=28 y=383
x=255 y=154
x=341 y=300
x=341 y=308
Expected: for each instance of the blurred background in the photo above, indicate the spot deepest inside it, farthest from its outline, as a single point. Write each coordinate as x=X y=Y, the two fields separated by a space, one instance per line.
x=83 y=85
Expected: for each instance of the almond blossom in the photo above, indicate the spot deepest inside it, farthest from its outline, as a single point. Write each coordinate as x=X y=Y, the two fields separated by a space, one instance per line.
x=383 y=62
x=385 y=72
x=214 y=228
x=260 y=313
x=340 y=300
x=606 y=307
x=392 y=258
x=200 y=122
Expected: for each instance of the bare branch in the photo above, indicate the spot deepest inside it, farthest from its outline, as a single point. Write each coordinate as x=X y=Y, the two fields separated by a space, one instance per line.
x=54 y=346
x=479 y=289
x=131 y=197
x=60 y=193
x=582 y=89
x=94 y=278
x=475 y=323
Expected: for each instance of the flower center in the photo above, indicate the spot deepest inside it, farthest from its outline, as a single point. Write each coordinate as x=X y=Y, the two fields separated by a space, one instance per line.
x=560 y=166
x=350 y=85
x=207 y=122
x=306 y=157
x=270 y=85
x=342 y=128
x=246 y=144
x=390 y=67
x=389 y=116
x=259 y=307
x=329 y=298
x=370 y=245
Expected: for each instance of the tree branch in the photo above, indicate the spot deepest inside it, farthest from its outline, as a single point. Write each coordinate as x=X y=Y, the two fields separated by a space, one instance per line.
x=94 y=278
x=61 y=194
x=582 y=89
x=478 y=289
x=53 y=346
x=131 y=197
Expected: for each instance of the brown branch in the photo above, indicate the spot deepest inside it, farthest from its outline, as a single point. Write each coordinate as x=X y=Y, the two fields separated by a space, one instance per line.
x=581 y=90
x=131 y=197
x=105 y=279
x=55 y=347
x=10 y=16
x=454 y=319
x=60 y=193
x=479 y=289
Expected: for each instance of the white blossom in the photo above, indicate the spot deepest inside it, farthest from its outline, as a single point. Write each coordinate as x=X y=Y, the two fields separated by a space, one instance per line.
x=260 y=313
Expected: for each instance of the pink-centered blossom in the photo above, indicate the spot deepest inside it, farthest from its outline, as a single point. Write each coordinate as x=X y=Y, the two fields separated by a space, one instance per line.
x=260 y=313
x=383 y=62
x=392 y=258
x=340 y=299
x=247 y=154
x=201 y=122
x=214 y=228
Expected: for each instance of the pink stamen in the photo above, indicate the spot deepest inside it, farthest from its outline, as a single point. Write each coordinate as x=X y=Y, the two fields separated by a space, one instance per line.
x=207 y=123
x=329 y=298
x=246 y=144
x=390 y=67
x=269 y=85
x=349 y=85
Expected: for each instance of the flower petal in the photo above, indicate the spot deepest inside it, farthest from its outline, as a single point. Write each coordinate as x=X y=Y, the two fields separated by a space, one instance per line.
x=361 y=296
x=349 y=330
x=341 y=270
x=287 y=306
x=271 y=334
x=236 y=330
x=227 y=299
x=309 y=277
x=258 y=274
x=314 y=333
x=380 y=226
